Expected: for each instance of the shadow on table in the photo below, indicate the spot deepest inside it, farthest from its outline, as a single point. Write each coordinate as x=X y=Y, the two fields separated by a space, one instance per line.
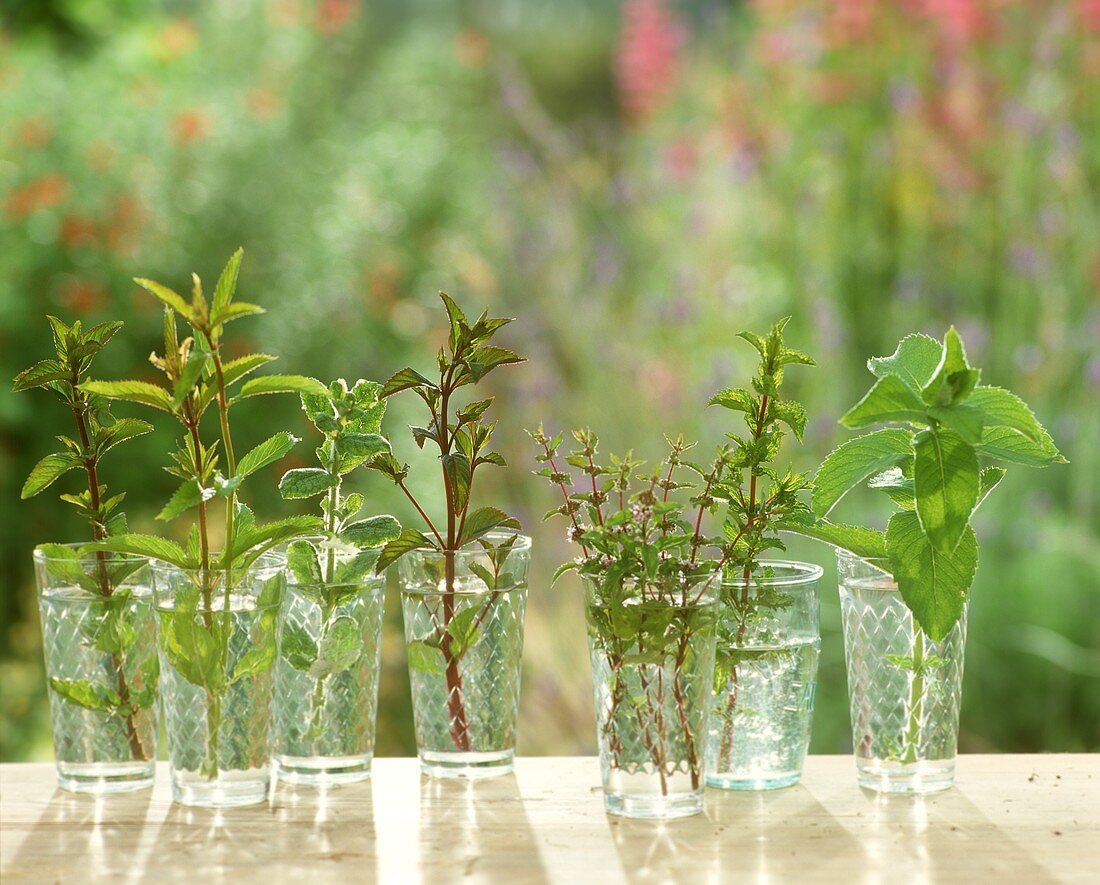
x=476 y=829
x=322 y=834
x=942 y=833
x=762 y=835
x=82 y=831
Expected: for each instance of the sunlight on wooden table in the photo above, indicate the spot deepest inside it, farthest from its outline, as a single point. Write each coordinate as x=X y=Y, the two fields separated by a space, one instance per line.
x=1010 y=818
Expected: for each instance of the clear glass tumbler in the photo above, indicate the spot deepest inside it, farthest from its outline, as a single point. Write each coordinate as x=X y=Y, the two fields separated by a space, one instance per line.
x=326 y=680
x=765 y=677
x=217 y=650
x=904 y=689
x=101 y=666
x=464 y=640
x=652 y=671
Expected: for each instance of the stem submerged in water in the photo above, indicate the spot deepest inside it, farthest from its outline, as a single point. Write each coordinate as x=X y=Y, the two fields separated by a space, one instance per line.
x=916 y=699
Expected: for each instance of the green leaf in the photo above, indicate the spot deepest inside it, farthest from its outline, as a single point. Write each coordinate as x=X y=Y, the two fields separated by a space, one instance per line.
x=989 y=479
x=46 y=471
x=189 y=376
x=301 y=559
x=122 y=430
x=194 y=650
x=340 y=647
x=85 y=694
x=403 y=380
x=189 y=494
x=406 y=542
x=1012 y=432
x=933 y=584
x=854 y=461
x=790 y=413
x=353 y=570
x=41 y=374
x=227 y=282
x=354 y=449
x=388 y=465
x=459 y=474
x=569 y=566
x=487 y=357
x=424 y=657
x=166 y=296
x=146 y=545
x=305 y=482
x=265 y=453
x=483 y=520
x=474 y=410
x=232 y=372
x=132 y=391
x=297 y=646
x=954 y=379
x=890 y=401
x=234 y=312
x=265 y=384
x=462 y=632
x=945 y=481
x=856 y=539
x=250 y=541
x=372 y=532
x=914 y=361
x=258 y=659
x=736 y=399
x=966 y=420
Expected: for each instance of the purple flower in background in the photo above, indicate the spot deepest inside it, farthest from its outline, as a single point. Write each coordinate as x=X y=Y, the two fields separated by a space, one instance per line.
x=904 y=95
x=1028 y=260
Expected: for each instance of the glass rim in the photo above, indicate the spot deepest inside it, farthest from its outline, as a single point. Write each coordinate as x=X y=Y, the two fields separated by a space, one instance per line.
x=712 y=582
x=272 y=561
x=806 y=573
x=41 y=555
x=472 y=548
x=371 y=581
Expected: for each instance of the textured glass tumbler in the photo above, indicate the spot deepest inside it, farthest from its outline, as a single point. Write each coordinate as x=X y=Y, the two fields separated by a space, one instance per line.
x=326 y=681
x=904 y=689
x=765 y=678
x=217 y=651
x=652 y=671
x=464 y=640
x=101 y=667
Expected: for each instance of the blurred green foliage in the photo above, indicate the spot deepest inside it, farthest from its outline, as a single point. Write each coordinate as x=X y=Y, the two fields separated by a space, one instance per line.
x=636 y=183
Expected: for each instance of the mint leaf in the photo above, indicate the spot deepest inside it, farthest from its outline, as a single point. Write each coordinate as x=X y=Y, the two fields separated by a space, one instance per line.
x=954 y=379
x=189 y=494
x=192 y=649
x=167 y=296
x=305 y=482
x=736 y=399
x=483 y=520
x=462 y=632
x=403 y=380
x=132 y=391
x=297 y=646
x=279 y=384
x=40 y=374
x=1012 y=432
x=790 y=413
x=147 y=545
x=85 y=694
x=339 y=648
x=301 y=559
x=372 y=532
x=227 y=282
x=945 y=481
x=989 y=479
x=424 y=657
x=933 y=584
x=406 y=542
x=854 y=461
x=914 y=361
x=353 y=449
x=46 y=471
x=890 y=401
x=856 y=539
x=265 y=453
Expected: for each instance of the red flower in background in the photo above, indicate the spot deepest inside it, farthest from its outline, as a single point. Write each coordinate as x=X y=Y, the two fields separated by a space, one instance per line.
x=122 y=230
x=34 y=132
x=78 y=230
x=42 y=193
x=1089 y=13
x=645 y=64
x=82 y=296
x=190 y=126
x=471 y=48
x=333 y=15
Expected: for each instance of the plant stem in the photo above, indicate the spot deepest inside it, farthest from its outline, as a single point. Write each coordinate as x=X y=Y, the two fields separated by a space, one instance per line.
x=91 y=468
x=916 y=698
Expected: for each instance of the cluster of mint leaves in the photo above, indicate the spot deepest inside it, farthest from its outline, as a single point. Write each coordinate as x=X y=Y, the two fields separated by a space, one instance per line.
x=933 y=461
x=110 y=628
x=329 y=570
x=195 y=636
x=462 y=434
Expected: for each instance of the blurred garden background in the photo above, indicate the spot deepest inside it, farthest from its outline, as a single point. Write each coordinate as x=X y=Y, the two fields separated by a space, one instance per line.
x=636 y=182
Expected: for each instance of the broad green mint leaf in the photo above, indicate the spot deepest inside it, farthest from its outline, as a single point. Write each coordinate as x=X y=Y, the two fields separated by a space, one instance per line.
x=131 y=391
x=305 y=482
x=424 y=657
x=915 y=361
x=954 y=379
x=167 y=296
x=1012 y=432
x=354 y=449
x=406 y=542
x=46 y=471
x=989 y=479
x=790 y=413
x=856 y=539
x=85 y=694
x=352 y=571
x=297 y=646
x=966 y=420
x=945 y=480
x=736 y=399
x=147 y=545
x=854 y=461
x=234 y=312
x=40 y=374
x=233 y=372
x=122 y=430
x=188 y=495
x=890 y=401
x=258 y=659
x=194 y=650
x=372 y=532
x=457 y=467
x=265 y=453
x=462 y=631
x=403 y=380
x=250 y=541
x=484 y=520
x=301 y=559
x=340 y=648
x=933 y=584
x=897 y=486
x=279 y=384
x=227 y=282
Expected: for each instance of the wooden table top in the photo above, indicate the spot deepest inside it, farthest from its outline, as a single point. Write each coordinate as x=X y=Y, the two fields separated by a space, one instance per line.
x=1009 y=819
